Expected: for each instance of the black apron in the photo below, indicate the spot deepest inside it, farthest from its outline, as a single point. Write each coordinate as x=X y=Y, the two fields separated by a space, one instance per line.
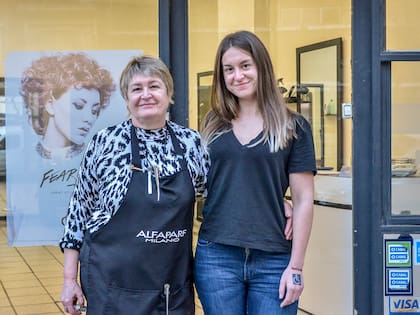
x=140 y=262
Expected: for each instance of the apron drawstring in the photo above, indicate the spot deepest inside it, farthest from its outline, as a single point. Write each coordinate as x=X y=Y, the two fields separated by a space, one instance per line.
x=149 y=182
x=166 y=292
x=132 y=167
x=156 y=171
x=149 y=179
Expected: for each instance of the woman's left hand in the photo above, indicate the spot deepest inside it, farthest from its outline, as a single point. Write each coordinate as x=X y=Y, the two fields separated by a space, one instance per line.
x=291 y=286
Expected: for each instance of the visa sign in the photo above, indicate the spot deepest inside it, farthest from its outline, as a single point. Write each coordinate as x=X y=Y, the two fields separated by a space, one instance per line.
x=404 y=305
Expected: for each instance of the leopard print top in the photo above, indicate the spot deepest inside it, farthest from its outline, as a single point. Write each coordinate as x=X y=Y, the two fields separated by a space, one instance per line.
x=105 y=173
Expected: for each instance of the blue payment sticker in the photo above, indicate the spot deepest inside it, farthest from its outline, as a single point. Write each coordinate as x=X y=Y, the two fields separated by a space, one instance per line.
x=398 y=253
x=398 y=281
x=416 y=252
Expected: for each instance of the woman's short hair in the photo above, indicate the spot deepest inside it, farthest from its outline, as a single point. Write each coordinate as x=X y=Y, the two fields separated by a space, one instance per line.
x=149 y=66
x=49 y=77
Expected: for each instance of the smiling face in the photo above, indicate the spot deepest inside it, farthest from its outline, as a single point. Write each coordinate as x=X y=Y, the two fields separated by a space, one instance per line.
x=72 y=117
x=147 y=101
x=240 y=74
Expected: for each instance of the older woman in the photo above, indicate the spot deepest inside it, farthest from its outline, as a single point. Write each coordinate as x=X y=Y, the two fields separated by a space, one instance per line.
x=131 y=213
x=64 y=95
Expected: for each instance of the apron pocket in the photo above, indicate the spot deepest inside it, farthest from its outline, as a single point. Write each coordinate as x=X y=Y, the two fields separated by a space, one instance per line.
x=134 y=302
x=122 y=301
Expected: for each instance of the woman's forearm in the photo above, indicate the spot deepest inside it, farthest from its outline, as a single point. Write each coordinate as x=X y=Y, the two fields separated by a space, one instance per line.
x=302 y=223
x=71 y=263
x=302 y=192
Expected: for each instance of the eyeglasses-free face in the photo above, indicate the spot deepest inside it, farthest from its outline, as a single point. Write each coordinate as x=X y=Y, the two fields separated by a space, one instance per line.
x=148 y=101
x=240 y=74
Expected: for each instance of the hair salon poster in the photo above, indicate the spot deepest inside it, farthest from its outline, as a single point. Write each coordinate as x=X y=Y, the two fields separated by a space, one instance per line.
x=55 y=103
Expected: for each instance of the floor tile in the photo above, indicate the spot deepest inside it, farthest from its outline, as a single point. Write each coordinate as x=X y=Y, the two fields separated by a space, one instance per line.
x=38 y=309
x=51 y=266
x=4 y=302
x=9 y=256
x=7 y=310
x=18 y=276
x=31 y=299
x=51 y=281
x=13 y=268
x=54 y=291
x=13 y=284
x=13 y=292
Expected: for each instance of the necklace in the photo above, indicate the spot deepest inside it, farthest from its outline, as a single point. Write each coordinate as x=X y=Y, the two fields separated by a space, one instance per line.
x=66 y=152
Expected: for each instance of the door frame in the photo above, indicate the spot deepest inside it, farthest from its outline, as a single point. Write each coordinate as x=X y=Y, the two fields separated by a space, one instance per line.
x=372 y=153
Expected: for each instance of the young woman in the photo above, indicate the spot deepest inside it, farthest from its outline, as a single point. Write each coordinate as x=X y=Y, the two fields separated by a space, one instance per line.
x=245 y=264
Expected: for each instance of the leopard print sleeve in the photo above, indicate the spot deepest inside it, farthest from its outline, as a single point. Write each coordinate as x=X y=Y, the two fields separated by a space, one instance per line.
x=81 y=200
x=102 y=182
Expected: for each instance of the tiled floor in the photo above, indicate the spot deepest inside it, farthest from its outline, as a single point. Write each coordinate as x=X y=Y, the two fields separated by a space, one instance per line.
x=30 y=278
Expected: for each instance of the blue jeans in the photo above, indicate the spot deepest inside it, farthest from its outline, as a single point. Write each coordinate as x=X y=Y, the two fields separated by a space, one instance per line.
x=237 y=281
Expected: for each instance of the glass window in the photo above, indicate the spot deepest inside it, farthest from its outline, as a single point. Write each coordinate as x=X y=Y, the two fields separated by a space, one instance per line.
x=405 y=138
x=283 y=26
x=401 y=24
x=78 y=25
x=54 y=26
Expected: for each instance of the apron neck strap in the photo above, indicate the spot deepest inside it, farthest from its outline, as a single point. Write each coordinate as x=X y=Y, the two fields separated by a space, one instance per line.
x=175 y=142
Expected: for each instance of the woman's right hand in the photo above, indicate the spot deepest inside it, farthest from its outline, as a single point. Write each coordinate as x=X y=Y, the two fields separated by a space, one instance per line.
x=71 y=294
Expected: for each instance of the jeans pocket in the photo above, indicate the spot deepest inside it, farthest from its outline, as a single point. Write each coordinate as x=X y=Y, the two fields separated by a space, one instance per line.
x=203 y=242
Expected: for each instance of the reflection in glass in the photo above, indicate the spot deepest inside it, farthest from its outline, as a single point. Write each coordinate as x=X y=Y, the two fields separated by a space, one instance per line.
x=320 y=64
x=310 y=103
x=405 y=116
x=204 y=82
x=315 y=98
x=401 y=24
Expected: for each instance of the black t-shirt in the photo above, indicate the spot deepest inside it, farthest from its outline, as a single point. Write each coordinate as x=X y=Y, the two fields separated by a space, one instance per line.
x=246 y=185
